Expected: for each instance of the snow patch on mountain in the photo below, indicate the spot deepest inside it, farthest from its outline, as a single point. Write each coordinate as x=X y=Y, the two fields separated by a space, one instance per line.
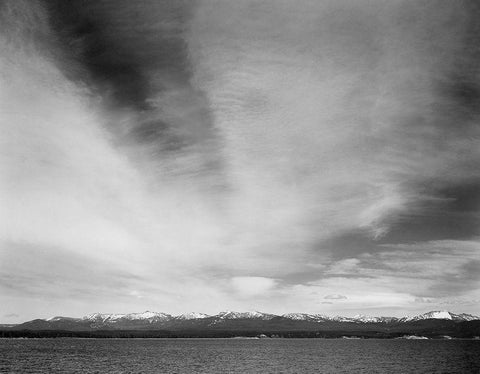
x=60 y=318
x=150 y=316
x=436 y=314
x=306 y=317
x=297 y=316
x=440 y=314
x=467 y=317
x=145 y=316
x=244 y=315
x=366 y=319
x=192 y=315
x=103 y=317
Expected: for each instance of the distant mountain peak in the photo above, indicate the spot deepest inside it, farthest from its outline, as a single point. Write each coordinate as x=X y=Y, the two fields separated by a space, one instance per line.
x=306 y=317
x=60 y=318
x=228 y=314
x=147 y=315
x=192 y=315
x=442 y=314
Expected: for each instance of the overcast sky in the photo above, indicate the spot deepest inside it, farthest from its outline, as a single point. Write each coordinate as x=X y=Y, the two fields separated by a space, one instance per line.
x=282 y=156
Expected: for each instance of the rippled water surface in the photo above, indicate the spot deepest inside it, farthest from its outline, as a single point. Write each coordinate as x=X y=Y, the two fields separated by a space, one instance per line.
x=238 y=356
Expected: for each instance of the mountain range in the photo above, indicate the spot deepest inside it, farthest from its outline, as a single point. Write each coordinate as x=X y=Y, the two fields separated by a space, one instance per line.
x=98 y=319
x=229 y=323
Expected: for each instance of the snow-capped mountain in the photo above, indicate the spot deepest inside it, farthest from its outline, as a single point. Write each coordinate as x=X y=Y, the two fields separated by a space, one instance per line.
x=244 y=315
x=323 y=318
x=150 y=316
x=466 y=317
x=231 y=320
x=191 y=315
x=370 y=319
x=113 y=318
x=306 y=317
x=435 y=324
x=60 y=318
x=155 y=317
x=366 y=319
x=441 y=314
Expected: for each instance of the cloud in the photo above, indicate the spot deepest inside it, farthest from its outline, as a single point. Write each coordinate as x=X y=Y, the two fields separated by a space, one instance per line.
x=11 y=315
x=445 y=268
x=252 y=286
x=172 y=151
x=329 y=122
x=400 y=278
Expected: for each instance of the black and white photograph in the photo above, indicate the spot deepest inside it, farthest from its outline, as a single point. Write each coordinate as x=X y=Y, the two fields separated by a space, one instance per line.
x=240 y=186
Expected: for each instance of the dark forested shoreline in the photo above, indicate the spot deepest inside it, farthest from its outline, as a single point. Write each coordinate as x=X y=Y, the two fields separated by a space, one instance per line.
x=464 y=330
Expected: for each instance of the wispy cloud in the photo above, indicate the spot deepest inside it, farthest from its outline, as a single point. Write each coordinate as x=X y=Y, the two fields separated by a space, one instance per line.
x=11 y=315
x=329 y=124
x=407 y=276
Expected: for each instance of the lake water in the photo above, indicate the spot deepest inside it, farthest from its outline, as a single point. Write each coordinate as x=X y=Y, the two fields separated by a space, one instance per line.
x=238 y=356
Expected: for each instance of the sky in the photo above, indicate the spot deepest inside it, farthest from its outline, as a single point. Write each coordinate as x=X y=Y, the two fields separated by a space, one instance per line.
x=280 y=156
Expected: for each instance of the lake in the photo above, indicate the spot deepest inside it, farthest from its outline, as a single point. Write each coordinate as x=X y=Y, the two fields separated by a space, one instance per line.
x=68 y=355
